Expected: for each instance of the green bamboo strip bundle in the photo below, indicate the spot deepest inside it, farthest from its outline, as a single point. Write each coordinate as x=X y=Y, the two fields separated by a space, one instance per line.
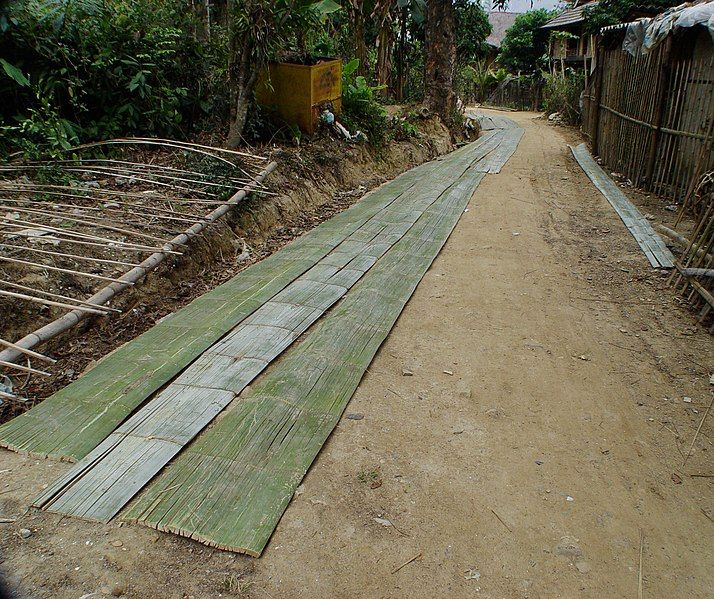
x=110 y=475
x=230 y=488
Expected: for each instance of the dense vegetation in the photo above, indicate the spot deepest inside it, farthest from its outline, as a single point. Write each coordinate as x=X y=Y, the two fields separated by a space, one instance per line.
x=77 y=70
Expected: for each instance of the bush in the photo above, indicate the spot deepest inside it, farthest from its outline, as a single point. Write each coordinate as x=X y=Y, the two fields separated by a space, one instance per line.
x=105 y=67
x=562 y=94
x=360 y=108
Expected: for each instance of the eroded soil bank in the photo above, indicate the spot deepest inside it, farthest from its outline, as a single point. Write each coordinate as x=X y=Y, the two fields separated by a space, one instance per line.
x=536 y=450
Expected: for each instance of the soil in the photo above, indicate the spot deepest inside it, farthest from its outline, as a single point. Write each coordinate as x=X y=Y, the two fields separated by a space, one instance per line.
x=536 y=451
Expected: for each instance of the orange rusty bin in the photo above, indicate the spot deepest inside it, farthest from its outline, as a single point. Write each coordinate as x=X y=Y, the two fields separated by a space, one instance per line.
x=299 y=93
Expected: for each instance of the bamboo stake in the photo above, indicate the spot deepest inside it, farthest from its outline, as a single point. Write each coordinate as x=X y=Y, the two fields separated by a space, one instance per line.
x=73 y=256
x=214 y=148
x=152 y=143
x=23 y=368
x=85 y=197
x=74 y=241
x=78 y=234
x=40 y=300
x=148 y=166
x=90 y=220
x=58 y=269
x=67 y=321
x=58 y=296
x=103 y=209
x=27 y=352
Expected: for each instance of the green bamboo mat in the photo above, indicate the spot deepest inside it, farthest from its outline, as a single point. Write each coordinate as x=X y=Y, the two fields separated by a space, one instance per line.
x=73 y=421
x=231 y=486
x=109 y=476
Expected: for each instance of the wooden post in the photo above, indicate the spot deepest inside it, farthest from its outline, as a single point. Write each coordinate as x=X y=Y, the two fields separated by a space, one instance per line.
x=595 y=105
x=661 y=101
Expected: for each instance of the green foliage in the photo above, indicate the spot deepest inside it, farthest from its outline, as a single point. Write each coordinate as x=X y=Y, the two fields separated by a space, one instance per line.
x=100 y=68
x=525 y=42
x=472 y=29
x=474 y=82
x=360 y=108
x=609 y=12
x=562 y=94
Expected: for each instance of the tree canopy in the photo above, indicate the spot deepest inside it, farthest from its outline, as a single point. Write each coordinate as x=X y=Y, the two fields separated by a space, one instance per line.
x=525 y=42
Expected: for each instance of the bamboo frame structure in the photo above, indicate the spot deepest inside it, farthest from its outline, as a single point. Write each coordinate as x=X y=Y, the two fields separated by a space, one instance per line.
x=104 y=223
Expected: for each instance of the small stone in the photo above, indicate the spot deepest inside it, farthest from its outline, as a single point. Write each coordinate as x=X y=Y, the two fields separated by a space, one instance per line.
x=569 y=498
x=583 y=567
x=117 y=544
x=407 y=372
x=687 y=400
x=569 y=547
x=449 y=372
x=355 y=416
x=25 y=533
x=539 y=462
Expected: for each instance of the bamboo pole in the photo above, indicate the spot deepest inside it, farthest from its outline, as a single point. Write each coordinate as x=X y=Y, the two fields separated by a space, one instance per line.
x=40 y=226
x=57 y=296
x=27 y=352
x=63 y=255
x=103 y=209
x=23 y=368
x=41 y=300
x=59 y=269
x=70 y=319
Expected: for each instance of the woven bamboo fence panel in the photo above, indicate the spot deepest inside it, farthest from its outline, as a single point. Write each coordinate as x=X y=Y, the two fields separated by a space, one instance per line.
x=649 y=117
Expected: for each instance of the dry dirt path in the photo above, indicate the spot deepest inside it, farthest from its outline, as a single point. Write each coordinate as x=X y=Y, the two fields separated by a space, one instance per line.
x=537 y=438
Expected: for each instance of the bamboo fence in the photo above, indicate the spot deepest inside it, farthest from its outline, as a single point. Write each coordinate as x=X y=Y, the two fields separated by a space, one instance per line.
x=651 y=118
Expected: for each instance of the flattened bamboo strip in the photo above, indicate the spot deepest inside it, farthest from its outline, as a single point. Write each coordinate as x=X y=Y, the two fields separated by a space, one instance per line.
x=652 y=245
x=73 y=421
x=105 y=480
x=230 y=488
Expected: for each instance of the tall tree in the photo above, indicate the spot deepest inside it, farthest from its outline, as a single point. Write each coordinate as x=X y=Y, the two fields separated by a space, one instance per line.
x=355 y=12
x=441 y=60
x=383 y=15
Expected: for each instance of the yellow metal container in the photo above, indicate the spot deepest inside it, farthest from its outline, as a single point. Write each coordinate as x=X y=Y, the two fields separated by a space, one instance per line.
x=299 y=93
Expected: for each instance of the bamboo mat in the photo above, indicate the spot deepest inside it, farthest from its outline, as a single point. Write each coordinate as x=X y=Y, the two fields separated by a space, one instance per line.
x=339 y=288
x=109 y=476
x=649 y=241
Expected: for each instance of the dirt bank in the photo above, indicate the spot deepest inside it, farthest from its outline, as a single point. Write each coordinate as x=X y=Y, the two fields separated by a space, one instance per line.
x=535 y=452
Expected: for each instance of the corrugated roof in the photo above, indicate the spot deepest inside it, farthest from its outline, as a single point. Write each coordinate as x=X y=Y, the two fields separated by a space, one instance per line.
x=500 y=23
x=570 y=16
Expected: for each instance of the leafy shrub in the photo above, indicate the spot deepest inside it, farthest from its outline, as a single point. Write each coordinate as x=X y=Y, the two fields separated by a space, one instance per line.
x=360 y=108
x=105 y=67
x=562 y=94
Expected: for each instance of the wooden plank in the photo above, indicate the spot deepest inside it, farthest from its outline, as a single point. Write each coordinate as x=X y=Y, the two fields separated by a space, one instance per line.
x=69 y=424
x=651 y=244
x=230 y=488
x=107 y=478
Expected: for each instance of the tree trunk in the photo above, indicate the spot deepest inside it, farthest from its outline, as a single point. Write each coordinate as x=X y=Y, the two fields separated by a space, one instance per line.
x=383 y=15
x=441 y=60
x=243 y=71
x=355 y=10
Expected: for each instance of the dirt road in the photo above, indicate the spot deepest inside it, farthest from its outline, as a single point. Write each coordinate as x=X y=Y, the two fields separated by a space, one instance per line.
x=521 y=432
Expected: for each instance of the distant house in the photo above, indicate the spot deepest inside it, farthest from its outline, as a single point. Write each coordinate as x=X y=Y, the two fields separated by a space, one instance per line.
x=500 y=23
x=577 y=50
